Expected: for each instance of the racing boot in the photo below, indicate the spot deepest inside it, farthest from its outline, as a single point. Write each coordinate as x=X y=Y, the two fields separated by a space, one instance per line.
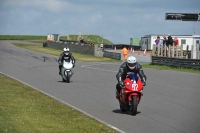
x=60 y=72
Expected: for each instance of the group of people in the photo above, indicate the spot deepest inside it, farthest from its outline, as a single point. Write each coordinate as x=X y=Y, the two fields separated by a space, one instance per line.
x=167 y=41
x=130 y=65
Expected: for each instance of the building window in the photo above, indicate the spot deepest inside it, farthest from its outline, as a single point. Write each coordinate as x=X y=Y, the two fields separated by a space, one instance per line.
x=197 y=42
x=183 y=41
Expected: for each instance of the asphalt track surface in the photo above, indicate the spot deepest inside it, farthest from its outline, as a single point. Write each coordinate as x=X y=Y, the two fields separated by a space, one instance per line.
x=171 y=101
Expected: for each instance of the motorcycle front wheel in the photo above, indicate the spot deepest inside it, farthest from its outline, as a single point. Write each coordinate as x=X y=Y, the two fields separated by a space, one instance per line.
x=133 y=108
x=68 y=77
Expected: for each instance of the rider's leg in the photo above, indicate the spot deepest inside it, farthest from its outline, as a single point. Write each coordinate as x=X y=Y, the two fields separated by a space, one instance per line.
x=118 y=88
x=60 y=67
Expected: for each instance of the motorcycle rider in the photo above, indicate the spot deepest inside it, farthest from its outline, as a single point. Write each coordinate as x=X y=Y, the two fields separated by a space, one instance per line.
x=131 y=65
x=67 y=56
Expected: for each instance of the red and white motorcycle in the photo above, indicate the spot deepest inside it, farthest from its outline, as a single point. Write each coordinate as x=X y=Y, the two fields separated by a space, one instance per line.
x=130 y=94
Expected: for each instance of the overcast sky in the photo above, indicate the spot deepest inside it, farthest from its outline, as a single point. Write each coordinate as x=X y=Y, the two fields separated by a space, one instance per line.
x=116 y=20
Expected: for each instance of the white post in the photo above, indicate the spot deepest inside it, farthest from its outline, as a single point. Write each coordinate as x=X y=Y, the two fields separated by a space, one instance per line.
x=177 y=47
x=158 y=52
x=198 y=51
x=173 y=51
x=194 y=51
x=181 y=51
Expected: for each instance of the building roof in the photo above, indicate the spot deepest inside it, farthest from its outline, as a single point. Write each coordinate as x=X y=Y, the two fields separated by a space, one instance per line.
x=166 y=35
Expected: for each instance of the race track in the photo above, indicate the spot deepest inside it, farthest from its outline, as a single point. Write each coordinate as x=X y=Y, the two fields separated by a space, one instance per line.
x=171 y=101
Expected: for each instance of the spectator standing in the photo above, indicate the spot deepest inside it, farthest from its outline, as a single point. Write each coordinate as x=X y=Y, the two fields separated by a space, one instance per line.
x=82 y=41
x=158 y=41
x=165 y=41
x=91 y=43
x=170 y=40
x=101 y=46
x=176 y=42
x=124 y=51
x=79 y=41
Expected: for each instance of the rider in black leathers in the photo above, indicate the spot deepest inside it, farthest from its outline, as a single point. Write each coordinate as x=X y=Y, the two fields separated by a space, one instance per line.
x=130 y=65
x=67 y=56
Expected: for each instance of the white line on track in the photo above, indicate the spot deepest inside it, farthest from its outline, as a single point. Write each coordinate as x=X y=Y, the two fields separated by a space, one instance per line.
x=113 y=127
x=91 y=67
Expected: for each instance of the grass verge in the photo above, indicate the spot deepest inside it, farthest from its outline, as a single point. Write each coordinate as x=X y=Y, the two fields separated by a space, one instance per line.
x=25 y=110
x=77 y=56
x=162 y=67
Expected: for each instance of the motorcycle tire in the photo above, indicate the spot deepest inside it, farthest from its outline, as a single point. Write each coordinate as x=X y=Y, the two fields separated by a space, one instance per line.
x=133 y=108
x=68 y=77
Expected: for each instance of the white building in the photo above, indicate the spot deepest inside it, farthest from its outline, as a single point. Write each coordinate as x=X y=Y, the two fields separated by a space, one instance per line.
x=53 y=37
x=148 y=40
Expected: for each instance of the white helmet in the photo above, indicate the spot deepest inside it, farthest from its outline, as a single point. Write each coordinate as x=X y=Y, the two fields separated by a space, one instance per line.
x=131 y=61
x=66 y=50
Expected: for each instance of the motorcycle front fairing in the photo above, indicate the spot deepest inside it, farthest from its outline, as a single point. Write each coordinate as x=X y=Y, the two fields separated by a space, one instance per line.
x=131 y=89
x=67 y=66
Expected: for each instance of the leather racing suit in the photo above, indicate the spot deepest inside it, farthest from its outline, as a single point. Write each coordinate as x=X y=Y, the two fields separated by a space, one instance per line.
x=67 y=58
x=124 y=69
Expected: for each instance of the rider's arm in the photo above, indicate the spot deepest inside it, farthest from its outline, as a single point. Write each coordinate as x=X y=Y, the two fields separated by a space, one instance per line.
x=60 y=58
x=72 y=58
x=141 y=73
x=120 y=74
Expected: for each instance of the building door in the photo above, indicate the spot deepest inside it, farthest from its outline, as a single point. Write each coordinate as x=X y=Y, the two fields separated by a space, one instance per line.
x=144 y=43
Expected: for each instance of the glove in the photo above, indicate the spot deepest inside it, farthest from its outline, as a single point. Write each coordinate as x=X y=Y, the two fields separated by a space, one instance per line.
x=59 y=62
x=121 y=84
x=73 y=65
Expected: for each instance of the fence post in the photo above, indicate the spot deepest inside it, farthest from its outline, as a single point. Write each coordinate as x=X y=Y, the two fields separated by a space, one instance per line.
x=181 y=51
x=187 y=52
x=177 y=47
x=192 y=50
x=173 y=51
x=198 y=51
x=158 y=51
x=169 y=51
x=161 y=50
x=154 y=49
x=164 y=50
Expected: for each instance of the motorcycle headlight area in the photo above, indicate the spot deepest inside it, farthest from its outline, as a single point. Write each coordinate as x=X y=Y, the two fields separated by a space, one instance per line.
x=68 y=65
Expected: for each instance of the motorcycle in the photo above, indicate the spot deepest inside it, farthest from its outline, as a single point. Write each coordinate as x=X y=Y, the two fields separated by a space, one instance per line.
x=66 y=71
x=130 y=94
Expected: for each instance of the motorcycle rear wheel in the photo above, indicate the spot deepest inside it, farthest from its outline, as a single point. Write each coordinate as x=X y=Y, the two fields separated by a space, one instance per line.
x=133 y=108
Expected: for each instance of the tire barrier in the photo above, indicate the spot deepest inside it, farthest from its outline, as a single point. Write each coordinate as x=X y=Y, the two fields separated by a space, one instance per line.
x=112 y=55
x=176 y=62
